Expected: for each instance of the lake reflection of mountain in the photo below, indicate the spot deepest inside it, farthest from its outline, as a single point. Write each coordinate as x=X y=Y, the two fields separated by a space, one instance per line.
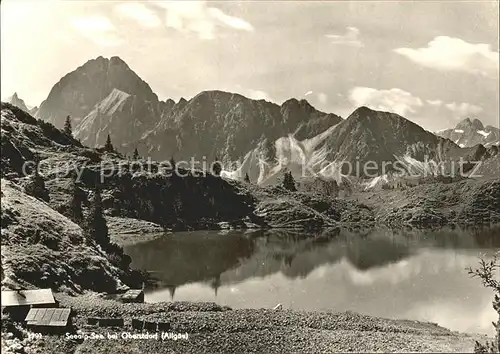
x=392 y=274
x=230 y=257
x=190 y=256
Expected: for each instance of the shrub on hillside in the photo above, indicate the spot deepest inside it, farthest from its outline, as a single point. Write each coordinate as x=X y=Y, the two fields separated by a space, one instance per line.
x=487 y=272
x=117 y=256
x=36 y=187
x=92 y=155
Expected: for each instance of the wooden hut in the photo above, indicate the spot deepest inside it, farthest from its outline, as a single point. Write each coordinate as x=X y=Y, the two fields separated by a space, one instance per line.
x=48 y=320
x=133 y=295
x=17 y=303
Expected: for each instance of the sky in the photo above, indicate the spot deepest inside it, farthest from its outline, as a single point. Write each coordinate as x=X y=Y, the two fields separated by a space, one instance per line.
x=434 y=62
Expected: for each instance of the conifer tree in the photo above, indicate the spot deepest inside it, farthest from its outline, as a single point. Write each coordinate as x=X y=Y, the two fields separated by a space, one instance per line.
x=96 y=228
x=109 y=146
x=289 y=182
x=135 y=156
x=216 y=167
x=67 y=126
x=76 y=202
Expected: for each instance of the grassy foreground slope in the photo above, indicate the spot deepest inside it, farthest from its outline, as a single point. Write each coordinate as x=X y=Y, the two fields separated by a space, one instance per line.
x=42 y=248
x=215 y=329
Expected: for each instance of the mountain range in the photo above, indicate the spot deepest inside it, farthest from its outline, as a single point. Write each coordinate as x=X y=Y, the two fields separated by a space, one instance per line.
x=105 y=96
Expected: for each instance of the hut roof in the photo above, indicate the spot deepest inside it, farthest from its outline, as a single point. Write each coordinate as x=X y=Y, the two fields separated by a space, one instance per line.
x=54 y=317
x=27 y=297
x=132 y=294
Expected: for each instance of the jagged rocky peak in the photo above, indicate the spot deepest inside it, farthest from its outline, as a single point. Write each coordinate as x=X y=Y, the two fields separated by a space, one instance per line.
x=381 y=122
x=309 y=120
x=169 y=102
x=229 y=125
x=471 y=132
x=166 y=107
x=467 y=123
x=18 y=102
x=15 y=97
x=78 y=92
x=295 y=102
x=182 y=102
x=116 y=60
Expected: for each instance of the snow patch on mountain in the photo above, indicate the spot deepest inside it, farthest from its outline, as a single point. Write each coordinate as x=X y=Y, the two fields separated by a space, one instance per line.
x=483 y=133
x=469 y=133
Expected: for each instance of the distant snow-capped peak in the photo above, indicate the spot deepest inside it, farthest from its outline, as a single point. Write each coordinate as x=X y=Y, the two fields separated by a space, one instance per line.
x=469 y=132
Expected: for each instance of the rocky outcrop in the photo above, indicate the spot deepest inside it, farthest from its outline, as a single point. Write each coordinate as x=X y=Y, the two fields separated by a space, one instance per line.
x=482 y=205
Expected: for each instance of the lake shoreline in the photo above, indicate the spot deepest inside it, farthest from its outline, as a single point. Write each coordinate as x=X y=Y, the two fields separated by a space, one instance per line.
x=150 y=231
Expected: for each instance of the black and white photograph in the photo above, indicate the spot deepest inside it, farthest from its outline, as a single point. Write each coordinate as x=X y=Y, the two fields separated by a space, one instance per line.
x=250 y=176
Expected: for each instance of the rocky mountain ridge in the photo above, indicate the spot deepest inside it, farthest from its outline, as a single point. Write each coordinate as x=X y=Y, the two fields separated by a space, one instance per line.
x=227 y=125
x=369 y=135
x=104 y=96
x=380 y=139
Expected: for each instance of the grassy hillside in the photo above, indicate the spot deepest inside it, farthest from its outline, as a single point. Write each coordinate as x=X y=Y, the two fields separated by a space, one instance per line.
x=43 y=248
